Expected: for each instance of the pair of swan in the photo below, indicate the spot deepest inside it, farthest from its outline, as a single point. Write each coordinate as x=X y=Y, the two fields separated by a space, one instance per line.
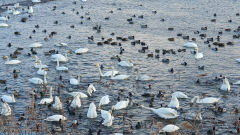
x=165 y=113
x=207 y=100
x=108 y=73
x=11 y=62
x=36 y=80
x=48 y=100
x=74 y=81
x=38 y=63
x=6 y=110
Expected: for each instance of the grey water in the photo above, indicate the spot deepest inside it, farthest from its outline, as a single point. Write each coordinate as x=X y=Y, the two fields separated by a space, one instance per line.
x=184 y=16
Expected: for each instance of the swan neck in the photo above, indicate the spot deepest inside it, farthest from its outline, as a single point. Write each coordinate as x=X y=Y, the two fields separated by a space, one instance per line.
x=57 y=63
x=147 y=108
x=112 y=73
x=100 y=71
x=78 y=78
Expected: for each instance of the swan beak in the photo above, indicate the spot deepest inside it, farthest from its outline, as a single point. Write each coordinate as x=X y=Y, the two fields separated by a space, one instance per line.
x=97 y=65
x=139 y=105
x=5 y=57
x=46 y=69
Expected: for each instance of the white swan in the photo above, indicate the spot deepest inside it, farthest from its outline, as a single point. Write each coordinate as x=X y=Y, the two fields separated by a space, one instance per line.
x=12 y=62
x=225 y=85
x=6 y=110
x=62 y=68
x=49 y=100
x=118 y=77
x=126 y=63
x=190 y=45
x=81 y=50
x=30 y=10
x=16 y=5
x=9 y=10
x=36 y=45
x=108 y=118
x=15 y=12
x=91 y=89
x=108 y=73
x=4 y=18
x=174 y=103
x=60 y=57
x=81 y=95
x=104 y=101
x=179 y=94
x=142 y=77
x=36 y=1
x=165 y=113
x=36 y=80
x=169 y=128
x=74 y=81
x=41 y=70
x=76 y=103
x=56 y=118
x=57 y=104
x=198 y=55
x=121 y=105
x=238 y=60
x=207 y=100
x=2 y=25
x=61 y=44
x=92 y=113
x=8 y=98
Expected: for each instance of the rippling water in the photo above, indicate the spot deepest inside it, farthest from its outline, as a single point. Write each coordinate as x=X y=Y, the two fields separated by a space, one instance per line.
x=184 y=16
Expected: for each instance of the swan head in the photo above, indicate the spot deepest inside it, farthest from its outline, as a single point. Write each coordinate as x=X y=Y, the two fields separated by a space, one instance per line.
x=196 y=49
x=130 y=60
x=97 y=65
x=194 y=99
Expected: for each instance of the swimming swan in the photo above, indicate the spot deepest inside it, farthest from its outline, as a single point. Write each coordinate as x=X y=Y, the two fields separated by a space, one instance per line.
x=57 y=104
x=104 y=101
x=198 y=55
x=8 y=98
x=108 y=118
x=49 y=100
x=12 y=62
x=76 y=103
x=165 y=113
x=6 y=110
x=36 y=80
x=74 y=81
x=190 y=45
x=118 y=77
x=121 y=105
x=207 y=100
x=56 y=118
x=108 y=73
x=174 y=103
x=92 y=113
x=142 y=77
x=81 y=50
x=126 y=63
x=91 y=89
x=225 y=85
x=62 y=68
x=179 y=94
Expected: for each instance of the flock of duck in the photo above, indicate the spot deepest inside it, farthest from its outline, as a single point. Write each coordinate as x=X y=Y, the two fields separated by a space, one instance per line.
x=168 y=112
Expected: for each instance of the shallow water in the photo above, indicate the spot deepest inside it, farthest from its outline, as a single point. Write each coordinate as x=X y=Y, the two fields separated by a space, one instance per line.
x=184 y=16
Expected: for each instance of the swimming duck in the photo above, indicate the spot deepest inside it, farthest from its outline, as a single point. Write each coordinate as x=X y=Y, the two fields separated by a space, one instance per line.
x=6 y=110
x=60 y=57
x=104 y=101
x=8 y=98
x=190 y=45
x=121 y=105
x=4 y=18
x=92 y=113
x=165 y=113
x=56 y=118
x=81 y=95
x=30 y=10
x=108 y=118
x=12 y=62
x=49 y=100
x=225 y=85
x=142 y=77
x=207 y=100
x=36 y=80
x=62 y=68
x=126 y=63
x=76 y=103
x=118 y=77
x=81 y=50
x=35 y=45
x=57 y=104
x=61 y=44
x=91 y=89
x=169 y=128
x=107 y=74
x=198 y=55
x=179 y=94
x=74 y=81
